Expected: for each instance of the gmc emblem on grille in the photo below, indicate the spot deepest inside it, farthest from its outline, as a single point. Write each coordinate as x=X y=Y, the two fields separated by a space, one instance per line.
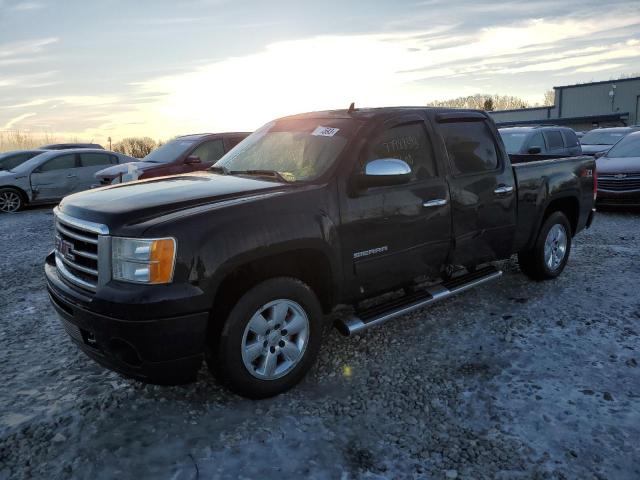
x=64 y=248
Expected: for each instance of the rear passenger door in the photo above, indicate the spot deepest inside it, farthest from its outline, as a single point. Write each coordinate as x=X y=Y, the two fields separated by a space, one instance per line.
x=483 y=199
x=55 y=178
x=90 y=164
x=393 y=234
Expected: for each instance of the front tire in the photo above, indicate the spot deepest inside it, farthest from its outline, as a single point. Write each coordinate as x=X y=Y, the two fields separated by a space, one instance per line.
x=270 y=339
x=10 y=200
x=549 y=256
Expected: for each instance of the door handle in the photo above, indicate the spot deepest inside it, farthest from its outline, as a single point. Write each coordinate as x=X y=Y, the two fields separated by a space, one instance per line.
x=438 y=202
x=503 y=190
x=71 y=175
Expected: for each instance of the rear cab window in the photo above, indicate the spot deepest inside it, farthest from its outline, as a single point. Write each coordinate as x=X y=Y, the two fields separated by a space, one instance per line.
x=570 y=138
x=471 y=147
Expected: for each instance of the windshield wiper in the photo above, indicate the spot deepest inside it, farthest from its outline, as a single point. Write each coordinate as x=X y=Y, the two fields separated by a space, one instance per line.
x=260 y=173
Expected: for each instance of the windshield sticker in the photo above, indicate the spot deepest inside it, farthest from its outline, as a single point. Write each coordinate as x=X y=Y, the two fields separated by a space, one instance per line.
x=325 y=131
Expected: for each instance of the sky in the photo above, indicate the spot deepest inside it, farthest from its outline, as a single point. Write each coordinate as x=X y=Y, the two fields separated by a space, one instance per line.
x=114 y=68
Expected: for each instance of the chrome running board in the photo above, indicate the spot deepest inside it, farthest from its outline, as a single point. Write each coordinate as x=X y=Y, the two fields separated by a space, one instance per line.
x=373 y=316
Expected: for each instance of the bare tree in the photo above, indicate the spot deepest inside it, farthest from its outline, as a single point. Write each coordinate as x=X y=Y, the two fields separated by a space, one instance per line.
x=482 y=101
x=137 y=147
x=549 y=98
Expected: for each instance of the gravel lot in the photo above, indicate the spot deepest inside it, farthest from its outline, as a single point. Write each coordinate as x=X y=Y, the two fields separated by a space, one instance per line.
x=514 y=379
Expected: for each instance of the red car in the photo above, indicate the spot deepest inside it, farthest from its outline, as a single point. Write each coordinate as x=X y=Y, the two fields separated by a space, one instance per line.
x=188 y=153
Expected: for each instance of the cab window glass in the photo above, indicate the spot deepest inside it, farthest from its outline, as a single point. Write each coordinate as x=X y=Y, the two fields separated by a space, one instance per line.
x=59 y=163
x=537 y=141
x=570 y=138
x=94 y=159
x=407 y=142
x=554 y=139
x=470 y=146
x=210 y=152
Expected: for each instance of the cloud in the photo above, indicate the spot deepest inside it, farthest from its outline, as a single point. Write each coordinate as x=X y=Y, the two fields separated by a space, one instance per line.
x=33 y=80
x=17 y=119
x=507 y=48
x=26 y=47
x=27 y=6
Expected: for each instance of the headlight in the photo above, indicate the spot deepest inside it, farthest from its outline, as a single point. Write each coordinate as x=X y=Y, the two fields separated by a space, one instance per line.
x=143 y=261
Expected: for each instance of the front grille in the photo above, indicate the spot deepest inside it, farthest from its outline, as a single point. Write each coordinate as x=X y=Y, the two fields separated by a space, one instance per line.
x=618 y=183
x=78 y=247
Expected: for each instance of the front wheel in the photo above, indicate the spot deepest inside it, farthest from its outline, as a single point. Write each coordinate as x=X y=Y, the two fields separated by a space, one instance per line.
x=10 y=200
x=270 y=339
x=550 y=253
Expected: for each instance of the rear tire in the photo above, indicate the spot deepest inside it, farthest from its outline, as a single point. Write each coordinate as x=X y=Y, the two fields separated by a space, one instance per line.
x=549 y=256
x=270 y=339
x=11 y=200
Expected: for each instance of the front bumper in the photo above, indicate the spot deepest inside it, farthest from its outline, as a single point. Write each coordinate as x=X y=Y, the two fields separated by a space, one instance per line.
x=163 y=350
x=618 y=198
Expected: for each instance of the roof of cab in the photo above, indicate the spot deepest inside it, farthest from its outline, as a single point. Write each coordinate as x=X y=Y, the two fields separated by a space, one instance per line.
x=199 y=136
x=365 y=114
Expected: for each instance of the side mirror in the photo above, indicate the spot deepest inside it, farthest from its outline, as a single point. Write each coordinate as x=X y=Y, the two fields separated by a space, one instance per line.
x=384 y=172
x=191 y=159
x=534 y=150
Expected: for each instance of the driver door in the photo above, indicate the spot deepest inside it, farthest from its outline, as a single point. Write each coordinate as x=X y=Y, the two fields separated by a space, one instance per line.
x=55 y=178
x=393 y=234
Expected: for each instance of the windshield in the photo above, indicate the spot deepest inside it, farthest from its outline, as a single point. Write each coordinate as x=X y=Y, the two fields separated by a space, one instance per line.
x=169 y=152
x=513 y=141
x=629 y=146
x=298 y=150
x=9 y=161
x=602 y=137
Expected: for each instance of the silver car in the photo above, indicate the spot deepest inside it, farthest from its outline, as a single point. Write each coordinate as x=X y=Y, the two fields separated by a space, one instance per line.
x=51 y=175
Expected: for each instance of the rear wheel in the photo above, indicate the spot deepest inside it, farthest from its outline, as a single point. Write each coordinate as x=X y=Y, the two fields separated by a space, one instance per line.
x=10 y=200
x=550 y=253
x=270 y=339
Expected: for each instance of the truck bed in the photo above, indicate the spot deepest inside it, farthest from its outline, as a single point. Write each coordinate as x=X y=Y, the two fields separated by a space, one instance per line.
x=557 y=178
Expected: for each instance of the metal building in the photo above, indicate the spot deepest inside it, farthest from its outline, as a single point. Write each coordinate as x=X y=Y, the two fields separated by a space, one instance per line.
x=583 y=106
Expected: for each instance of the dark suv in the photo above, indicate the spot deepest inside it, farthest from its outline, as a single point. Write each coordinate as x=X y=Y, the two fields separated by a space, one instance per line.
x=541 y=140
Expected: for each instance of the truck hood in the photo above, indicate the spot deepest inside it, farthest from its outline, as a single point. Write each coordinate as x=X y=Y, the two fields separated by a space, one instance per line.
x=592 y=149
x=609 y=166
x=136 y=202
x=112 y=172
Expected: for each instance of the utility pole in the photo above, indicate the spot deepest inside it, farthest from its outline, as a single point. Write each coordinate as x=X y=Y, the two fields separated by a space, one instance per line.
x=109 y=143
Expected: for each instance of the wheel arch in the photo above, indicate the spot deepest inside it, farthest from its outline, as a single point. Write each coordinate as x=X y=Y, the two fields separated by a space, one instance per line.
x=569 y=205
x=308 y=264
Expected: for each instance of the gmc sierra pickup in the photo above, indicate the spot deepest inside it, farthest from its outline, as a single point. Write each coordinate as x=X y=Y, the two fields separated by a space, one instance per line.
x=239 y=265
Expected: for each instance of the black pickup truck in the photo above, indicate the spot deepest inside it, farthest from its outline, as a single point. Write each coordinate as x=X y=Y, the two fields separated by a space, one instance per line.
x=239 y=265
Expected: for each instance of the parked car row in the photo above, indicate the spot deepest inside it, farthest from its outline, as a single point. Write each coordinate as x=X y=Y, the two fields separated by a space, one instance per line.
x=617 y=150
x=197 y=152
x=47 y=174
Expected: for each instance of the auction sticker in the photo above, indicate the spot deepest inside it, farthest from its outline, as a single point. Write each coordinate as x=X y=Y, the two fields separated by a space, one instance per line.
x=325 y=131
